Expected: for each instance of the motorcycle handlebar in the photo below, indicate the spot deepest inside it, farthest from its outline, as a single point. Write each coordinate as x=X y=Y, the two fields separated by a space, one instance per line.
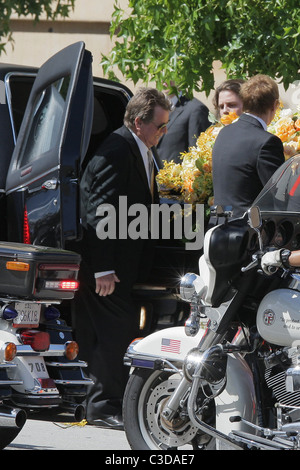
x=251 y=265
x=294 y=261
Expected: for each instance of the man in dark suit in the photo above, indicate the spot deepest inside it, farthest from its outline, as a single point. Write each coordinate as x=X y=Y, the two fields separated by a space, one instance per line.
x=245 y=155
x=119 y=176
x=188 y=119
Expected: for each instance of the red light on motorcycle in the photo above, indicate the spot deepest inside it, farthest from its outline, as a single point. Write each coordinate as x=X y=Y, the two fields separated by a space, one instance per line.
x=38 y=340
x=71 y=350
x=10 y=351
x=62 y=285
x=47 y=383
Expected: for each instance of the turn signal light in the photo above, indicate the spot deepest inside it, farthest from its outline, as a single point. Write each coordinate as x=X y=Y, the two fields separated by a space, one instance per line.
x=10 y=351
x=17 y=266
x=38 y=340
x=71 y=350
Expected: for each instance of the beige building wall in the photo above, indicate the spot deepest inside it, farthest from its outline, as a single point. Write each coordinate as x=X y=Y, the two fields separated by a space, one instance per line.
x=34 y=43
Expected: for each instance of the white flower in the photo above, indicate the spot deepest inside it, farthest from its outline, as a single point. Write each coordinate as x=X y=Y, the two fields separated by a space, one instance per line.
x=286 y=112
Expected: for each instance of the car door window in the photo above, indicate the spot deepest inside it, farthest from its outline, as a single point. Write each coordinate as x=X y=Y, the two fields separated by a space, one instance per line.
x=18 y=87
x=46 y=120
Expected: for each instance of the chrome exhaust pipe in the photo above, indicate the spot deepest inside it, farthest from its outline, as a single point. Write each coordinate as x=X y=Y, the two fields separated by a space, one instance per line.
x=12 y=417
x=78 y=411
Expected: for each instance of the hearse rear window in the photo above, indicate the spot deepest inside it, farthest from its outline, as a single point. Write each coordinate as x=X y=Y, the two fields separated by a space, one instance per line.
x=45 y=122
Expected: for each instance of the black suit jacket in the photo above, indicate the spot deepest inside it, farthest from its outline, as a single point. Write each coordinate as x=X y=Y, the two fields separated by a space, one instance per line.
x=245 y=156
x=187 y=120
x=116 y=170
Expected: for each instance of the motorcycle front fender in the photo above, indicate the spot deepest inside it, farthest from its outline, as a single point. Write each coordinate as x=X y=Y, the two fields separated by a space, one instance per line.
x=238 y=399
x=167 y=345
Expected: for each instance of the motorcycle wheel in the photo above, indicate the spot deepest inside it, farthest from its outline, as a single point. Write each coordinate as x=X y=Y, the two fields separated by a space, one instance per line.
x=146 y=393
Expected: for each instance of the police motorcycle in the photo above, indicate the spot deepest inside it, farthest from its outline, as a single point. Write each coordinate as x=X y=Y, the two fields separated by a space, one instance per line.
x=39 y=369
x=233 y=383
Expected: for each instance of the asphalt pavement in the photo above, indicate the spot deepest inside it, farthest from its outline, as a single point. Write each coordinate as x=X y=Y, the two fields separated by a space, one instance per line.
x=63 y=435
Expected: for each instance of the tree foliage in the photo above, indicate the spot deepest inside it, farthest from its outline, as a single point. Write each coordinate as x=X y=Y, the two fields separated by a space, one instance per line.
x=51 y=9
x=160 y=40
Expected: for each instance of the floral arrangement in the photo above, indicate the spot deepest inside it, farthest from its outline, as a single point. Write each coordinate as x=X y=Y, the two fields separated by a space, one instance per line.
x=286 y=125
x=191 y=180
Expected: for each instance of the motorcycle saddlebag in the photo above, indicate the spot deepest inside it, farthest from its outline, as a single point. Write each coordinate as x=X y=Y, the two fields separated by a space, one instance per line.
x=37 y=272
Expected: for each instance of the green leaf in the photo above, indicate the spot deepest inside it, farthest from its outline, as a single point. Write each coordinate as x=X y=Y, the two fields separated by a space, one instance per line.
x=182 y=40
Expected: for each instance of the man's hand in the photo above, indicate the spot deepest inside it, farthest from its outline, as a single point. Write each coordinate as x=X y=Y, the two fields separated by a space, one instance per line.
x=105 y=285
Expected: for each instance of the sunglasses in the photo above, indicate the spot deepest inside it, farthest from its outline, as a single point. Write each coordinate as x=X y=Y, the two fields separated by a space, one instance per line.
x=161 y=127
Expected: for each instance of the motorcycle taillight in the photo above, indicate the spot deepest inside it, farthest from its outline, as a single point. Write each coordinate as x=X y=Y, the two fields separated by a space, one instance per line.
x=38 y=340
x=47 y=383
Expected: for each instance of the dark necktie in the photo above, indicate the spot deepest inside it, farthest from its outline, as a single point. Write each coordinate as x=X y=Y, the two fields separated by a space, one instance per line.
x=151 y=171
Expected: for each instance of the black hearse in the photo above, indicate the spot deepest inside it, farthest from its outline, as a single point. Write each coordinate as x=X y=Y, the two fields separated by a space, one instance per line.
x=51 y=120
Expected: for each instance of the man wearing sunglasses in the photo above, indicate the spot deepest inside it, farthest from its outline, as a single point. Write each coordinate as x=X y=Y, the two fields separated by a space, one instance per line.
x=106 y=319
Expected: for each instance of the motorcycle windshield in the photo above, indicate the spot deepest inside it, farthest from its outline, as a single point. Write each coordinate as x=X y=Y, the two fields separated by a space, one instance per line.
x=282 y=192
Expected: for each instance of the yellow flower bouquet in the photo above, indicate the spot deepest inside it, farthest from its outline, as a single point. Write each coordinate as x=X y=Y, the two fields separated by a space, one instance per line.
x=286 y=125
x=191 y=180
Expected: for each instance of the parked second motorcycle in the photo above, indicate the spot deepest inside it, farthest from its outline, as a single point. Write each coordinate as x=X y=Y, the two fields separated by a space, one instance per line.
x=236 y=383
x=39 y=369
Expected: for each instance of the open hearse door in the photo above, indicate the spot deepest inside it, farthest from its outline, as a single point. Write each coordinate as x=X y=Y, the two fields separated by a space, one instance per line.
x=68 y=114
x=42 y=184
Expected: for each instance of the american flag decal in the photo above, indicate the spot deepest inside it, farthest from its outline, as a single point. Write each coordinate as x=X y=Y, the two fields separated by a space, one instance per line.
x=170 y=345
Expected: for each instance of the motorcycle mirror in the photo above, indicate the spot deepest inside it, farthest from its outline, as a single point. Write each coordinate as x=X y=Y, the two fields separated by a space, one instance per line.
x=254 y=217
x=255 y=222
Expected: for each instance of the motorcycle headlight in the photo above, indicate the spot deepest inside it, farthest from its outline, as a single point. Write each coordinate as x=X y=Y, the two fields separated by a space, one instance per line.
x=187 y=287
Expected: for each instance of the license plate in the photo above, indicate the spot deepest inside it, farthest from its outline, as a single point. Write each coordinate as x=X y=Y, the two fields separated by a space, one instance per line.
x=28 y=314
x=38 y=370
x=37 y=367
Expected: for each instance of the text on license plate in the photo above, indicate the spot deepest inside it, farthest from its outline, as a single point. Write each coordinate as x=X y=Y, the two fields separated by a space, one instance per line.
x=36 y=367
x=28 y=313
x=38 y=370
